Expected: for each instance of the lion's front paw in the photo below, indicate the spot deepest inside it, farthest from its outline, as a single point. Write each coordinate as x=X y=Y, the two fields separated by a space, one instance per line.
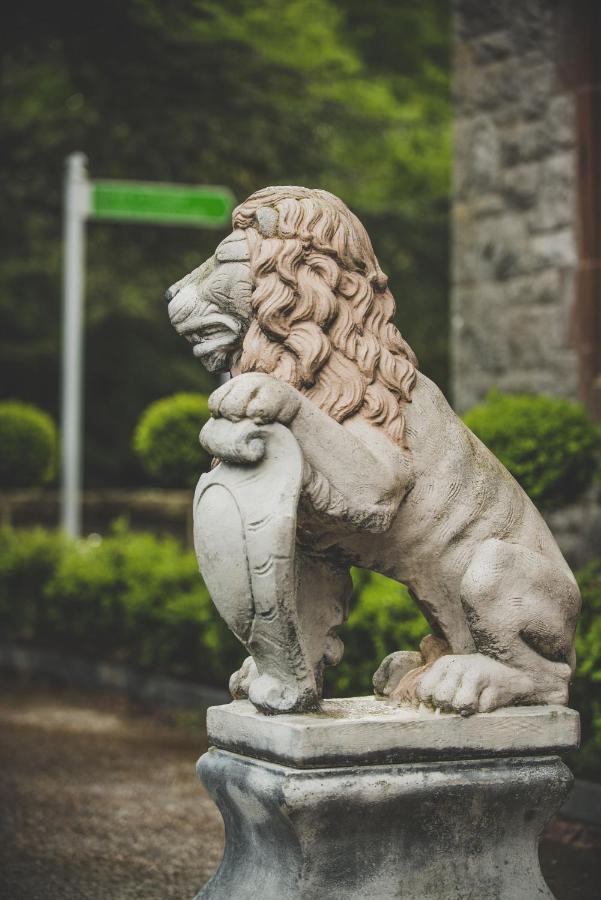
x=471 y=683
x=271 y=695
x=255 y=396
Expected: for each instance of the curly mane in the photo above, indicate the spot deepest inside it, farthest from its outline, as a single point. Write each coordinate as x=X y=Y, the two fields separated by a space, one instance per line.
x=322 y=310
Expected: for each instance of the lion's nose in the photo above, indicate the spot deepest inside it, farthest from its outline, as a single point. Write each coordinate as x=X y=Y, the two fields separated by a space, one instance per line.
x=170 y=294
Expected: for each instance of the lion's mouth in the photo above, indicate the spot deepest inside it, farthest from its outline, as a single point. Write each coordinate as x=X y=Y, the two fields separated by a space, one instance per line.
x=205 y=344
x=202 y=334
x=213 y=337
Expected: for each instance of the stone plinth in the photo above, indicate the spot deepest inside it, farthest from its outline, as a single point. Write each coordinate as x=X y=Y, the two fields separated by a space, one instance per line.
x=365 y=799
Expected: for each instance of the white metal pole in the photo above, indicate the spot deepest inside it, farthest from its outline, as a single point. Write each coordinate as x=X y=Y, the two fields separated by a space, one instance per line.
x=76 y=208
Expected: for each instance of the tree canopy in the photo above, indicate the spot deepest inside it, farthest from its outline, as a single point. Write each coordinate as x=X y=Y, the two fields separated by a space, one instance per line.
x=338 y=94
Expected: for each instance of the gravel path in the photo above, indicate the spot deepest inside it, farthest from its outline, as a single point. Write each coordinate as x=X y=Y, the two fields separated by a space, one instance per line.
x=99 y=801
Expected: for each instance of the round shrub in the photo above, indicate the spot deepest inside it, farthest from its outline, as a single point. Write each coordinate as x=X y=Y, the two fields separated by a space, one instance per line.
x=28 y=443
x=166 y=439
x=548 y=444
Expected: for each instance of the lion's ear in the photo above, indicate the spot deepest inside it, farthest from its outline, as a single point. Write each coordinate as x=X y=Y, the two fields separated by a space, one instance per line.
x=267 y=221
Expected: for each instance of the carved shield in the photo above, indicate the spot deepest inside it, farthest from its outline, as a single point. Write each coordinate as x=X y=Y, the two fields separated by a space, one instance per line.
x=245 y=514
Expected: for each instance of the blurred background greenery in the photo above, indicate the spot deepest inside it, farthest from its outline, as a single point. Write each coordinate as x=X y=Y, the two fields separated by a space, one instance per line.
x=351 y=97
x=133 y=598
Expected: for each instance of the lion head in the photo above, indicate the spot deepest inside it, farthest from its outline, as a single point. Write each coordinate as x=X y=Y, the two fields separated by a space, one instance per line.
x=296 y=292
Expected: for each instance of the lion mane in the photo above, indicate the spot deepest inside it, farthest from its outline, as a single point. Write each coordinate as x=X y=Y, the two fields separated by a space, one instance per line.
x=322 y=309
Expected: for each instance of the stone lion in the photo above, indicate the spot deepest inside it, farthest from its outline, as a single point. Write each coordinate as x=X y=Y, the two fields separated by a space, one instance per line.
x=372 y=468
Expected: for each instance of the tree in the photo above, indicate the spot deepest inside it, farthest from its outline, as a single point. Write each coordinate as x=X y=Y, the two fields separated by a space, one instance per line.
x=342 y=95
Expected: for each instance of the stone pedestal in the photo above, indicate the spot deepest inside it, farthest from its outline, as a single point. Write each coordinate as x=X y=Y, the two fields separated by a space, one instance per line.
x=369 y=800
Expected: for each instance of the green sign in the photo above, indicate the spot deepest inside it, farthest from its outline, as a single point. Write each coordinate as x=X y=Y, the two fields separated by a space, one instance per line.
x=165 y=204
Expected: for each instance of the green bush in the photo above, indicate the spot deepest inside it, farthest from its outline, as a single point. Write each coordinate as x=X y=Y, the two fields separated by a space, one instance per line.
x=166 y=439
x=139 y=600
x=130 y=598
x=28 y=561
x=586 y=692
x=383 y=618
x=548 y=444
x=27 y=445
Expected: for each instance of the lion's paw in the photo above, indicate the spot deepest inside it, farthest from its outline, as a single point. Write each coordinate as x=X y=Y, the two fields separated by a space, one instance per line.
x=255 y=396
x=471 y=683
x=241 y=680
x=270 y=695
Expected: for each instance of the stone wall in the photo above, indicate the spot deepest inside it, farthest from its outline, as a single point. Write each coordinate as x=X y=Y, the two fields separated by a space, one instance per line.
x=514 y=208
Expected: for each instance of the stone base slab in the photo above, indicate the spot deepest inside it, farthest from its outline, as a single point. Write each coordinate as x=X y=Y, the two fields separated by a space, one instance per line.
x=452 y=830
x=364 y=730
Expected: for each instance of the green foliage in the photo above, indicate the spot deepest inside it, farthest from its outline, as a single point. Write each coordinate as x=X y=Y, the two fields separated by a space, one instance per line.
x=137 y=599
x=166 y=440
x=28 y=561
x=27 y=446
x=586 y=693
x=351 y=97
x=383 y=618
x=130 y=598
x=548 y=444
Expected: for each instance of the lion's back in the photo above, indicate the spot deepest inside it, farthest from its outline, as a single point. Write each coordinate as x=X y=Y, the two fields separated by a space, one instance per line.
x=462 y=492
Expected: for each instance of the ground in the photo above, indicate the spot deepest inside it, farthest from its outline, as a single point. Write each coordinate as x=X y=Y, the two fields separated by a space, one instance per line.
x=100 y=802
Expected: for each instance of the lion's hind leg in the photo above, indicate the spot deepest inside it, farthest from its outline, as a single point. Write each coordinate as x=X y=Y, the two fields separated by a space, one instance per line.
x=522 y=610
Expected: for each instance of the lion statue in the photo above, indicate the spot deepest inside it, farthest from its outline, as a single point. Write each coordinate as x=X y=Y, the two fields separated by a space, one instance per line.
x=371 y=467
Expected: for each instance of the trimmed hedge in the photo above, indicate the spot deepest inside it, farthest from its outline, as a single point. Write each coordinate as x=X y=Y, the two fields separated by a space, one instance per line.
x=135 y=598
x=138 y=599
x=166 y=440
x=28 y=445
x=548 y=444
x=130 y=597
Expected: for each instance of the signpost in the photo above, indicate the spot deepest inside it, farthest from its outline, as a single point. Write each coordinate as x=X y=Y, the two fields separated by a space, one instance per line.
x=116 y=201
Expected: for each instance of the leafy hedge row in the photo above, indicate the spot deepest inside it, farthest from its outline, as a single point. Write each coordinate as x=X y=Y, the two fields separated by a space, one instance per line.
x=134 y=598
x=130 y=598
x=138 y=599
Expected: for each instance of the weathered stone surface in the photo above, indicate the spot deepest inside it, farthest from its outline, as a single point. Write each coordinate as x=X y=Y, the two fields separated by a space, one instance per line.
x=557 y=195
x=458 y=830
x=325 y=464
x=365 y=729
x=577 y=528
x=492 y=47
x=514 y=210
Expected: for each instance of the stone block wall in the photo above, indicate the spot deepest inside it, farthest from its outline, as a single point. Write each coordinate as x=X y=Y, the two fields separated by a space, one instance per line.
x=515 y=204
